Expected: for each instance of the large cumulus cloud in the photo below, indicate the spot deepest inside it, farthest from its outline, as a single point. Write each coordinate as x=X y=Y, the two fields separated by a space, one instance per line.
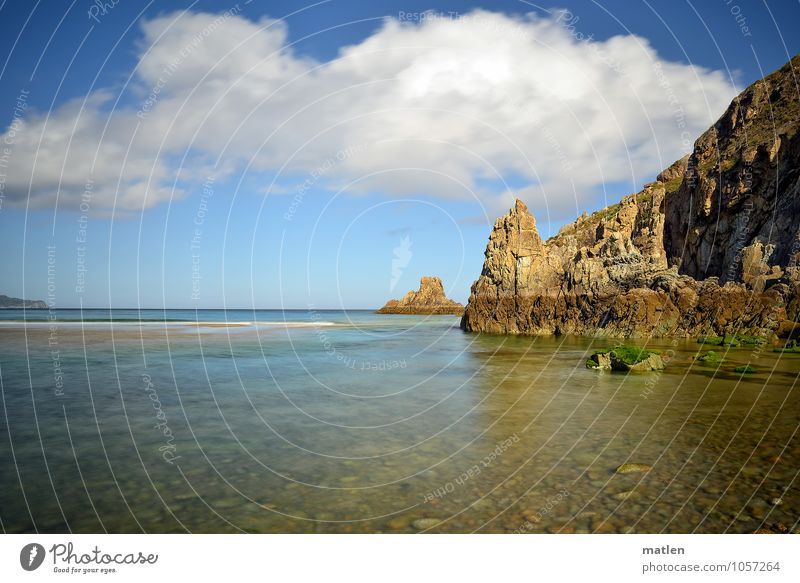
x=447 y=107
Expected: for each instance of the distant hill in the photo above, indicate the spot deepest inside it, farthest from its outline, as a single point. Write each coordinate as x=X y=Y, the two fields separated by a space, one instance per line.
x=7 y=302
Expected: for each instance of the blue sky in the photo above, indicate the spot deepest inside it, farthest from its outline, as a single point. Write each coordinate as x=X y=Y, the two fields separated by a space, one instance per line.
x=216 y=154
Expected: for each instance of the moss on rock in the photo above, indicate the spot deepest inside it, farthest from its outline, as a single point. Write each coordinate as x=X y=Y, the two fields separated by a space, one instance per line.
x=709 y=357
x=745 y=369
x=626 y=358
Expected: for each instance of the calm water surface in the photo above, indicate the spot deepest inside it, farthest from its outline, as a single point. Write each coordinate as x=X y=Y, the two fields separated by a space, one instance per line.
x=354 y=422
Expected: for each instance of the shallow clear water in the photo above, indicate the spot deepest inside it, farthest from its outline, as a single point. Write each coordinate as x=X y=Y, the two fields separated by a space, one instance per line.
x=357 y=422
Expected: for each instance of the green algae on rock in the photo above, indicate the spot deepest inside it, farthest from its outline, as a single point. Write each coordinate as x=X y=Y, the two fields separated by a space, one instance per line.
x=708 y=357
x=626 y=358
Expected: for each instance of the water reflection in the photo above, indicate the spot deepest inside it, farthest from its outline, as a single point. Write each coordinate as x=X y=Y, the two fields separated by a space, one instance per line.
x=273 y=432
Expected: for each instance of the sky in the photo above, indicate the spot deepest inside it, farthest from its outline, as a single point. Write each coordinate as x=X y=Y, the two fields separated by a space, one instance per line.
x=284 y=155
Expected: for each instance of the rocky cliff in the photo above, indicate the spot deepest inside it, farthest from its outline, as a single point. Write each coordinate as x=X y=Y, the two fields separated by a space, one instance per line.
x=710 y=247
x=428 y=299
x=739 y=194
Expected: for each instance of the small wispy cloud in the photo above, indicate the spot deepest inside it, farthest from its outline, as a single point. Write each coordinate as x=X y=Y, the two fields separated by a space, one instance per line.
x=397 y=231
x=402 y=257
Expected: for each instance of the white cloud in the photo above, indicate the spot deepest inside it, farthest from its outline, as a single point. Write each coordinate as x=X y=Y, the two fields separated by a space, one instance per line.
x=442 y=107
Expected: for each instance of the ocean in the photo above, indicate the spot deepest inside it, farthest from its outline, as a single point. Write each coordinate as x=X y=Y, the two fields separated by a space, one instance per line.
x=332 y=421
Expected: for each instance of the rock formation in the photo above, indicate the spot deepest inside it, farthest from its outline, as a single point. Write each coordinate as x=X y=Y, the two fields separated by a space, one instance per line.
x=619 y=360
x=428 y=299
x=710 y=248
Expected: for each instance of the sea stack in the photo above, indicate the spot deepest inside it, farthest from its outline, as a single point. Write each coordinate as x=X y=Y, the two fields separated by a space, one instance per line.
x=428 y=299
x=711 y=247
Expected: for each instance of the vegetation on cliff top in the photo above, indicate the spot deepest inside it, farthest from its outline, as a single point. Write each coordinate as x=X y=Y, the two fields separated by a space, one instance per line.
x=673 y=185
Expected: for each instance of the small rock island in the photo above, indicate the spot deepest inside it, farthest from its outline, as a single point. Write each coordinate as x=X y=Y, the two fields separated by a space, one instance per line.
x=428 y=299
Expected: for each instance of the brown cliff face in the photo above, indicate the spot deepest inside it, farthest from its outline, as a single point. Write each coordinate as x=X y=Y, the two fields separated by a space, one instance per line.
x=652 y=264
x=428 y=299
x=741 y=189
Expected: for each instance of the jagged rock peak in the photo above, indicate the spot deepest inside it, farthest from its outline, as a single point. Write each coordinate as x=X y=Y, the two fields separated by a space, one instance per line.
x=518 y=229
x=428 y=299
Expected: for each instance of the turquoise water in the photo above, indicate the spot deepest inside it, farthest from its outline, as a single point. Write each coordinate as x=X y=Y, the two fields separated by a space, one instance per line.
x=327 y=421
x=149 y=316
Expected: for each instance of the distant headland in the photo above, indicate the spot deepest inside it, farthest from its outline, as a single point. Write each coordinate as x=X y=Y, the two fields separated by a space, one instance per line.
x=9 y=302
